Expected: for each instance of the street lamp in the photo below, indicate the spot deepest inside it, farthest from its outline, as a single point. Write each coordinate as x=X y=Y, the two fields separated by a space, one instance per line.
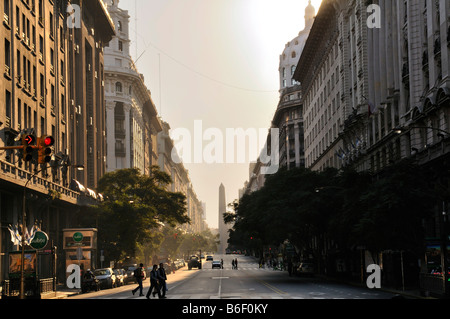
x=22 y=277
x=401 y=130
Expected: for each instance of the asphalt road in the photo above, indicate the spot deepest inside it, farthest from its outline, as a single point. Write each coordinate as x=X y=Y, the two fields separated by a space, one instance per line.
x=247 y=282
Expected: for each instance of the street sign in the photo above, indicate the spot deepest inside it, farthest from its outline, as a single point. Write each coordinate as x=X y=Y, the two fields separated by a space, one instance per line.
x=39 y=241
x=77 y=237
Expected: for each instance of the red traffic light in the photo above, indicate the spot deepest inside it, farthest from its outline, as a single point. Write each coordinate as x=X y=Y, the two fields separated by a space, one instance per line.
x=49 y=141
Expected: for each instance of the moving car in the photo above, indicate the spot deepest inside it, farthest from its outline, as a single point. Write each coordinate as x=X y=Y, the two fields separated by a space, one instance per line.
x=106 y=277
x=194 y=262
x=129 y=270
x=209 y=258
x=216 y=264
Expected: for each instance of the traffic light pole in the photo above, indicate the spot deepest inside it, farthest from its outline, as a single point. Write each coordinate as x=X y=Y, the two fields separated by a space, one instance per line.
x=22 y=272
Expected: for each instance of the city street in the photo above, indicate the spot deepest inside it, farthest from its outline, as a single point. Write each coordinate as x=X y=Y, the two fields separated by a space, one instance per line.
x=247 y=282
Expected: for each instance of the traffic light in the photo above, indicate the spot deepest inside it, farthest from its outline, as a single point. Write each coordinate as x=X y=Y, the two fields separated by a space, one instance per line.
x=28 y=141
x=45 y=143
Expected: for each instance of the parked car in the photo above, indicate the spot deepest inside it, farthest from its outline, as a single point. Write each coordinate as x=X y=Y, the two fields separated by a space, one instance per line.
x=306 y=269
x=216 y=264
x=106 y=277
x=119 y=277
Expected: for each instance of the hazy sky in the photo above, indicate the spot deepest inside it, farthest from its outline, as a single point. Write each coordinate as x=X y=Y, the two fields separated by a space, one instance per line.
x=214 y=61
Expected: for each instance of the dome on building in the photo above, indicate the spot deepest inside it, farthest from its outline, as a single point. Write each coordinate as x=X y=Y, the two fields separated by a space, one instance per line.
x=293 y=49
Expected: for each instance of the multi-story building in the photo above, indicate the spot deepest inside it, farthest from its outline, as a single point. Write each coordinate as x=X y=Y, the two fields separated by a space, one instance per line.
x=131 y=116
x=378 y=94
x=52 y=85
x=288 y=117
x=181 y=181
x=333 y=74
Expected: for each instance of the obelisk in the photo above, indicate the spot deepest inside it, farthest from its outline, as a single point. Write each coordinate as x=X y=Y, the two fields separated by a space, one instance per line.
x=223 y=228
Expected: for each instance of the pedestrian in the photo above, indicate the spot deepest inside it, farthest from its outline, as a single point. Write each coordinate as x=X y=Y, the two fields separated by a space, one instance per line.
x=232 y=263
x=162 y=281
x=221 y=263
x=290 y=266
x=154 y=282
x=139 y=274
x=235 y=264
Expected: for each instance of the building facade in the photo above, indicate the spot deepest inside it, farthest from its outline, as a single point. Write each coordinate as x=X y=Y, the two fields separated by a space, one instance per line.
x=52 y=85
x=181 y=181
x=131 y=116
x=333 y=72
x=379 y=93
x=288 y=117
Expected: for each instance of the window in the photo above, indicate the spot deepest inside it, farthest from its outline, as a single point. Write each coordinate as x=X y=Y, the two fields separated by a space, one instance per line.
x=119 y=87
x=120 y=46
x=119 y=27
x=8 y=108
x=7 y=57
x=63 y=104
x=6 y=11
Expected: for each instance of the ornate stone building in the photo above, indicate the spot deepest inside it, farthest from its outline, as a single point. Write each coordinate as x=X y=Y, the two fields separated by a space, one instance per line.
x=52 y=85
x=377 y=95
x=131 y=116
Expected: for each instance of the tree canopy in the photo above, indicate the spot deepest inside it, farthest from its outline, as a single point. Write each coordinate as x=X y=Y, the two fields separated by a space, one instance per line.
x=135 y=207
x=382 y=211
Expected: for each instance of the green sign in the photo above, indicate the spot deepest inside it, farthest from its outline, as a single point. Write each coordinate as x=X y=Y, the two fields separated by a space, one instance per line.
x=39 y=241
x=77 y=237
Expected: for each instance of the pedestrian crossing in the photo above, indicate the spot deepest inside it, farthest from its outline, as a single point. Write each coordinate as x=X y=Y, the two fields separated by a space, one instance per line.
x=244 y=266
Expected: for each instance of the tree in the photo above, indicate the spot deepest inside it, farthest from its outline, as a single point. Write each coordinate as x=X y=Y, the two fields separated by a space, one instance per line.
x=135 y=207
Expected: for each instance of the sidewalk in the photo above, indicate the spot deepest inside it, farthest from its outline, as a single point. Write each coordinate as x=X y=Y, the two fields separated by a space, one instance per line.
x=400 y=294
x=62 y=292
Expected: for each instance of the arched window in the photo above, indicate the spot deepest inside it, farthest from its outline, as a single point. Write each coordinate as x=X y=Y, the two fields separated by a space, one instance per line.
x=118 y=87
x=119 y=27
x=293 y=54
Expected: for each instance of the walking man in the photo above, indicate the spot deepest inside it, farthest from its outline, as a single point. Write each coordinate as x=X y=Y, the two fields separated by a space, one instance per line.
x=162 y=281
x=235 y=264
x=139 y=274
x=154 y=282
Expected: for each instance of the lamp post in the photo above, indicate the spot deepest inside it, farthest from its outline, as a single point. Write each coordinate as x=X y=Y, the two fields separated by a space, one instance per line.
x=22 y=275
x=401 y=130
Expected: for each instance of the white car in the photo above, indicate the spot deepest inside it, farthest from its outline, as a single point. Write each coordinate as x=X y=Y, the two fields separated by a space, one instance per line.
x=216 y=264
